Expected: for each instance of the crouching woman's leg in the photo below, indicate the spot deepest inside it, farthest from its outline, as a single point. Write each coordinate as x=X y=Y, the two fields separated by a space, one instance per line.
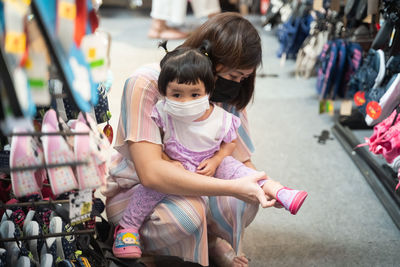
x=177 y=227
x=228 y=216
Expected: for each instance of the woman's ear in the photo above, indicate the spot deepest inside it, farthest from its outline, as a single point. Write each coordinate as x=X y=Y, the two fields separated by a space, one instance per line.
x=219 y=67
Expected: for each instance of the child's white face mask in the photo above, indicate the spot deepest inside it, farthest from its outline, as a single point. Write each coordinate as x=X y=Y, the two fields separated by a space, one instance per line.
x=187 y=111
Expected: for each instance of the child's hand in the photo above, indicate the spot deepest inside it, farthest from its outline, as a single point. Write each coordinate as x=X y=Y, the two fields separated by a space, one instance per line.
x=207 y=167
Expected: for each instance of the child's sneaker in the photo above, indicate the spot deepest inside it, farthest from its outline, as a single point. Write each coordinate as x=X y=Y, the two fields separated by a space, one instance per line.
x=291 y=199
x=126 y=243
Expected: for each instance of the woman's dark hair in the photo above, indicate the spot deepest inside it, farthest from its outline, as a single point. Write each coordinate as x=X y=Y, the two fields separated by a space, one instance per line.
x=186 y=65
x=236 y=44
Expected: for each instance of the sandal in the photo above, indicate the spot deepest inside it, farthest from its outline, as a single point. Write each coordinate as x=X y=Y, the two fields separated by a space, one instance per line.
x=126 y=243
x=166 y=33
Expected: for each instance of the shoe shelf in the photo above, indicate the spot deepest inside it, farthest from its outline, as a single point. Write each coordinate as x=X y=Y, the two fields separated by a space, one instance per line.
x=380 y=177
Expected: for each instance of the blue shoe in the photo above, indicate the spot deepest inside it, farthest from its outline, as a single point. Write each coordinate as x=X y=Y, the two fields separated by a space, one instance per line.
x=370 y=75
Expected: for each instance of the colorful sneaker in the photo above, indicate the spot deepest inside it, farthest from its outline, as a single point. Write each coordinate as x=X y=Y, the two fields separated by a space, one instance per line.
x=388 y=99
x=56 y=150
x=46 y=260
x=25 y=152
x=101 y=147
x=126 y=243
x=66 y=246
x=88 y=175
x=32 y=228
x=291 y=199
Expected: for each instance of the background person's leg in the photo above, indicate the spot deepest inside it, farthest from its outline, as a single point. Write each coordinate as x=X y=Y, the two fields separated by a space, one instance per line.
x=163 y=11
x=205 y=8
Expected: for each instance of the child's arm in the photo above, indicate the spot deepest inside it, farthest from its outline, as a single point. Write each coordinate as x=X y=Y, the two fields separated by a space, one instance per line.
x=164 y=155
x=208 y=166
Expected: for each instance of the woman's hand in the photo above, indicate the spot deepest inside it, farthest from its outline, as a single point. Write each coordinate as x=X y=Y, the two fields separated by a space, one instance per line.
x=248 y=190
x=208 y=166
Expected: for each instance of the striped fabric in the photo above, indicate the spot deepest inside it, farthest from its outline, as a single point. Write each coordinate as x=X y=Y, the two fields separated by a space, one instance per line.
x=178 y=225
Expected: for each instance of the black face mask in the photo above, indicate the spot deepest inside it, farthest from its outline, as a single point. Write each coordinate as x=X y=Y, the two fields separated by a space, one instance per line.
x=225 y=90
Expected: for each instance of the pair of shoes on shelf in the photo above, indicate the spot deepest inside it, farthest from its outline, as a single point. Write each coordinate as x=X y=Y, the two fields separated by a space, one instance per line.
x=382 y=99
x=92 y=148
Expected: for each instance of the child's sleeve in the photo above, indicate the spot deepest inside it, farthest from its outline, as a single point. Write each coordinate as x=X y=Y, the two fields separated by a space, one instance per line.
x=157 y=116
x=232 y=132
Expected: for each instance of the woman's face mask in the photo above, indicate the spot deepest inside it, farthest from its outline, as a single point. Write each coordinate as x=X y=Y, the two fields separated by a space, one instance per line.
x=225 y=90
x=228 y=83
x=187 y=111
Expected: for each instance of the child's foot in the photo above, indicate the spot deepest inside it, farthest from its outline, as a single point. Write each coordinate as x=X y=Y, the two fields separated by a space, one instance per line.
x=126 y=243
x=291 y=199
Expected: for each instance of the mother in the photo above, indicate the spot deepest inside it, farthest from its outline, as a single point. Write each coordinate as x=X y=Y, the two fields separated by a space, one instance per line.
x=187 y=225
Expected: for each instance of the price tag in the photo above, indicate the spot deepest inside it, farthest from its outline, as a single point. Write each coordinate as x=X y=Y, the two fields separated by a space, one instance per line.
x=80 y=206
x=346 y=107
x=374 y=110
x=67 y=10
x=359 y=98
x=326 y=106
x=15 y=42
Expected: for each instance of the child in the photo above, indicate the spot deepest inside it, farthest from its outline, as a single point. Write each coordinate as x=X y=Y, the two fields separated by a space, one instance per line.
x=197 y=136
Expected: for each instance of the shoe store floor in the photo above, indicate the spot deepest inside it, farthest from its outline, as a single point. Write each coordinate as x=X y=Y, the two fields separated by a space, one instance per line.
x=342 y=222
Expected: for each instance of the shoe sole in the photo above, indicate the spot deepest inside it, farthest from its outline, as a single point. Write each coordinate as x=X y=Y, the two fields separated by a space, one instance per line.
x=297 y=202
x=127 y=255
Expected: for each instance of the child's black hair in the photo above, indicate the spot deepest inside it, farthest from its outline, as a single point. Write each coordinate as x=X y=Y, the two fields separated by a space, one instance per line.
x=186 y=65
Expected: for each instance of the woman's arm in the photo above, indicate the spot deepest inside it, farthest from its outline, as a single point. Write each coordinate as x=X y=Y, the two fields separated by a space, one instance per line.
x=163 y=176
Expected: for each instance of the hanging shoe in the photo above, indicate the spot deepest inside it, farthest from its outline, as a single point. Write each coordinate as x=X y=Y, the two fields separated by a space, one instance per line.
x=101 y=147
x=46 y=260
x=25 y=152
x=32 y=229
x=66 y=246
x=88 y=175
x=56 y=150
x=7 y=230
x=3 y=257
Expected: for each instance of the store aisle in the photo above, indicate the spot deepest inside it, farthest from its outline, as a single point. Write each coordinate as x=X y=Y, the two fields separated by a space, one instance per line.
x=342 y=223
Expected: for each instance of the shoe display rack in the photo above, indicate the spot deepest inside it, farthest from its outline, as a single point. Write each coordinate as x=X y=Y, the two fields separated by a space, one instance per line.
x=380 y=177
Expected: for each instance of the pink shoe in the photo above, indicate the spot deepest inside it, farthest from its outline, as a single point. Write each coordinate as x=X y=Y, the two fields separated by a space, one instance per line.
x=56 y=150
x=126 y=243
x=25 y=152
x=88 y=175
x=100 y=148
x=291 y=199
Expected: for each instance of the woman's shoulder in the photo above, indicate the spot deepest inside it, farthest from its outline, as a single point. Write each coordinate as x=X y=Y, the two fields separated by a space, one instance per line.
x=148 y=72
x=144 y=78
